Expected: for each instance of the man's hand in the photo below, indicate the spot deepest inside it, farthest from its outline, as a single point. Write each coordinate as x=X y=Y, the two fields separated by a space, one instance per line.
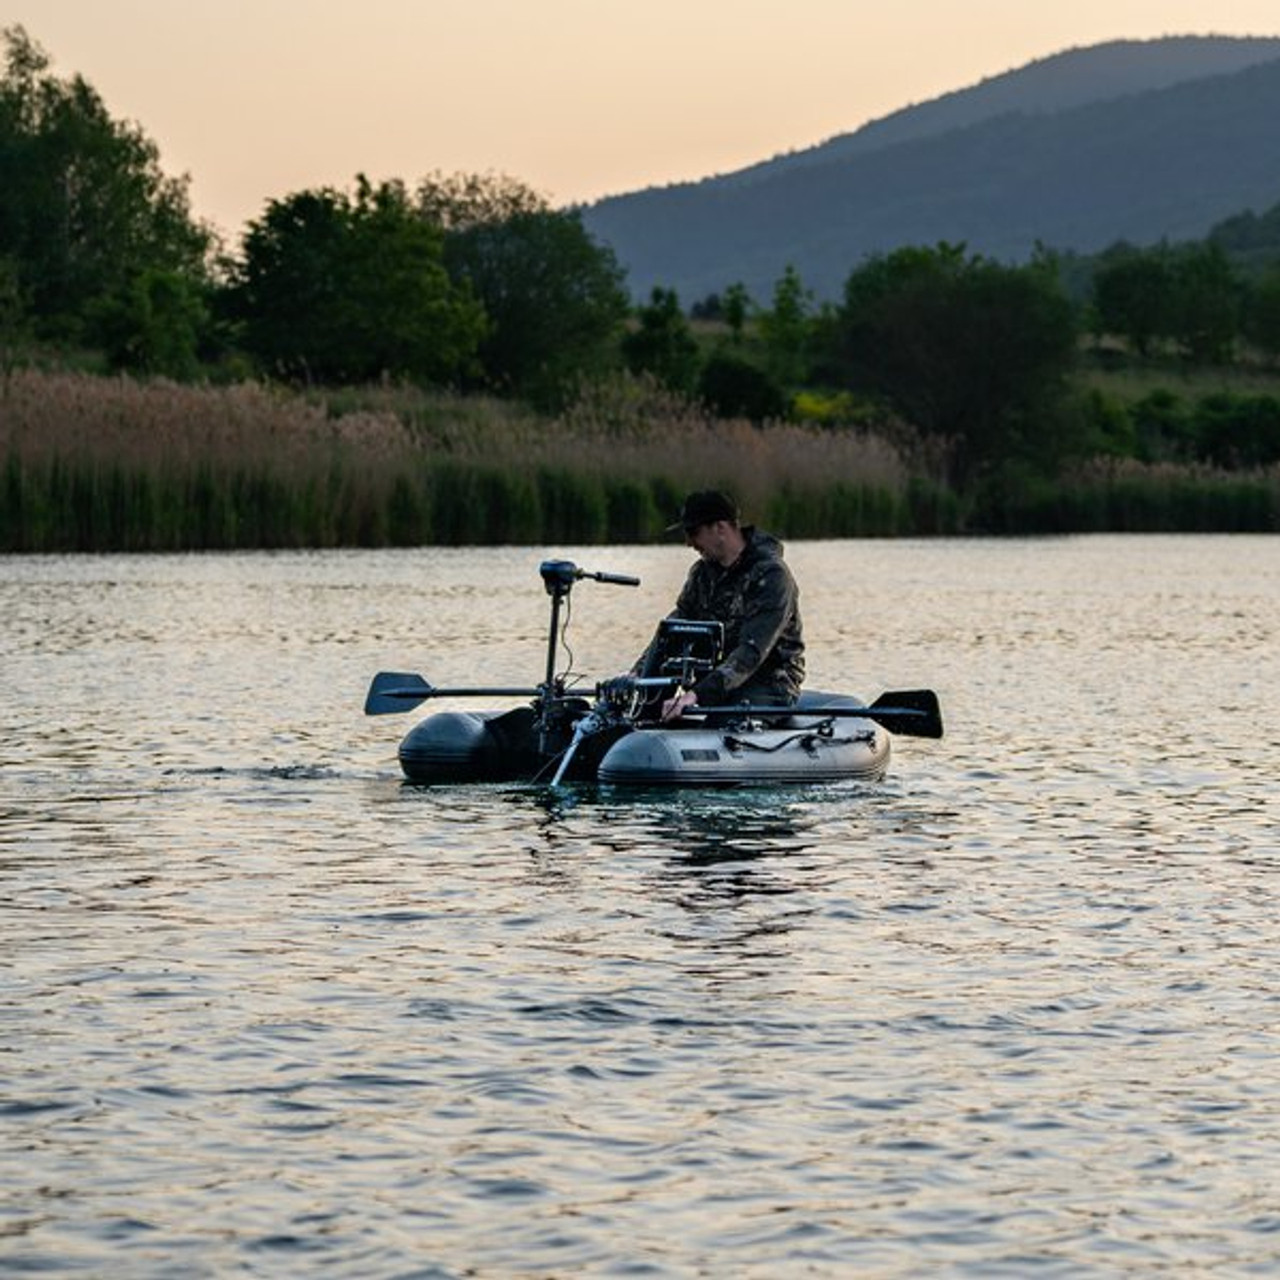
x=675 y=707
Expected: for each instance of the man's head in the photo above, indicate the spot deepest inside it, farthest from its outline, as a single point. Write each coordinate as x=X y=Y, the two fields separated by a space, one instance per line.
x=709 y=520
x=706 y=506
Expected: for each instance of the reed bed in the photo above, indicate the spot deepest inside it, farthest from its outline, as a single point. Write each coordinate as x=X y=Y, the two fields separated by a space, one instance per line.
x=115 y=464
x=1126 y=496
x=98 y=464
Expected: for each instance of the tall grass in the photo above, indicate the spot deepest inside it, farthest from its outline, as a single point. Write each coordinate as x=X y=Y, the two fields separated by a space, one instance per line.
x=1126 y=496
x=91 y=463
x=115 y=464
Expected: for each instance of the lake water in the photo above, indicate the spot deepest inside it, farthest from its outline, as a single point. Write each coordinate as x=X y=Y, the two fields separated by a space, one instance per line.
x=264 y=1010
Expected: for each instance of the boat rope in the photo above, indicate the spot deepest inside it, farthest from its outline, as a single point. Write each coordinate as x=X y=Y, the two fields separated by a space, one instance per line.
x=809 y=739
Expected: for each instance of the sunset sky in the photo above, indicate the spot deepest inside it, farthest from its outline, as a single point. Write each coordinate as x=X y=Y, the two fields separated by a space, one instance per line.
x=255 y=99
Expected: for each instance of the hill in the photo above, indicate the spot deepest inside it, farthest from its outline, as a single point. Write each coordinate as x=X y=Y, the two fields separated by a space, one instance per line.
x=1134 y=140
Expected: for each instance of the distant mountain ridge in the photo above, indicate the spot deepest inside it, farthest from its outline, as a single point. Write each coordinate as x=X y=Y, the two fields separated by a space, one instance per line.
x=1131 y=139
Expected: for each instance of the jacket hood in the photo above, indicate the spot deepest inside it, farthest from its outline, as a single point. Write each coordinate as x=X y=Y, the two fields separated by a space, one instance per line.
x=760 y=543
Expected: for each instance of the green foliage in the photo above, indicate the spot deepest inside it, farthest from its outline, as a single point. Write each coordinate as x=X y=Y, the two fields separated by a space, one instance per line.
x=736 y=306
x=730 y=309
x=1133 y=296
x=114 y=464
x=732 y=386
x=1206 y=300
x=481 y=503
x=1162 y=427
x=155 y=325
x=1262 y=311
x=340 y=289
x=575 y=507
x=1126 y=498
x=476 y=281
x=553 y=298
x=461 y=201
x=1221 y=429
x=785 y=329
x=1190 y=295
x=662 y=345
x=833 y=409
x=409 y=510
x=710 y=308
x=1238 y=432
x=632 y=512
x=964 y=349
x=1251 y=240
x=85 y=210
x=932 y=508
x=1111 y=429
x=837 y=510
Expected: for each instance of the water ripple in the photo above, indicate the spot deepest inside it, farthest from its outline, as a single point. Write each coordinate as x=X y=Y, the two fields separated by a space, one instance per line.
x=265 y=1010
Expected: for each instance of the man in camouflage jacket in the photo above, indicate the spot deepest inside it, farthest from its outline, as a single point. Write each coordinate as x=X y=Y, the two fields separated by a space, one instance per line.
x=740 y=580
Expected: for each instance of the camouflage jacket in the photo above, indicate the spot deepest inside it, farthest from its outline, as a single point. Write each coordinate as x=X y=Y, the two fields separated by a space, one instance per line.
x=759 y=603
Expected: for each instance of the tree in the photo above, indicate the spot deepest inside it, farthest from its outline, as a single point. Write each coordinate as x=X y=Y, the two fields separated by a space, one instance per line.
x=710 y=308
x=155 y=326
x=461 y=201
x=554 y=298
x=346 y=289
x=1262 y=317
x=1162 y=426
x=662 y=344
x=729 y=308
x=963 y=348
x=735 y=307
x=785 y=329
x=1206 y=298
x=1133 y=296
x=733 y=387
x=85 y=210
x=1238 y=431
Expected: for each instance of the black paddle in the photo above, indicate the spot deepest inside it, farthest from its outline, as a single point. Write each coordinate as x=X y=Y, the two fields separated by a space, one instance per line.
x=393 y=691
x=913 y=713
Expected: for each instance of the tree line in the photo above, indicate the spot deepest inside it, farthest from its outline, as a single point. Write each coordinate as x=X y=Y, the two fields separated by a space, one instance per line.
x=476 y=283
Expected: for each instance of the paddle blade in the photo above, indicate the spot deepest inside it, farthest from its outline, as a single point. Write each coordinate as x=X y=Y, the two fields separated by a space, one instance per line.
x=913 y=713
x=393 y=691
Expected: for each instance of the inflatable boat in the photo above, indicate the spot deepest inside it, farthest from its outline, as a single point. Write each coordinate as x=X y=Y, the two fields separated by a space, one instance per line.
x=559 y=736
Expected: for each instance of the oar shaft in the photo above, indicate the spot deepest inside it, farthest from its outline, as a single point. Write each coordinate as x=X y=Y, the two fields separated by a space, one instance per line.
x=921 y=720
x=465 y=693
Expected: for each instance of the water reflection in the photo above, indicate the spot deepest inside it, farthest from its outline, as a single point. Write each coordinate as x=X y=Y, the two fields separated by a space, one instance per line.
x=696 y=829
x=727 y=878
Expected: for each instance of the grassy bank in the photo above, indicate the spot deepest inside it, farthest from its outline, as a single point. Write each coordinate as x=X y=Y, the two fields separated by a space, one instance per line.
x=113 y=464
x=99 y=464
x=1125 y=496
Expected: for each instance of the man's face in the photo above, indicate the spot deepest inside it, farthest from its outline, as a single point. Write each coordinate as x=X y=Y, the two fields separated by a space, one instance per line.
x=710 y=540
